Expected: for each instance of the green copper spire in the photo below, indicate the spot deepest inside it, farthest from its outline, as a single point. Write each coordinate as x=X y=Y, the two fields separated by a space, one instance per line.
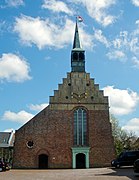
x=76 y=43
x=77 y=54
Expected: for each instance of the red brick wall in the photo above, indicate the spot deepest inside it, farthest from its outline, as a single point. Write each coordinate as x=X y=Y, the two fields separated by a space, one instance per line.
x=52 y=134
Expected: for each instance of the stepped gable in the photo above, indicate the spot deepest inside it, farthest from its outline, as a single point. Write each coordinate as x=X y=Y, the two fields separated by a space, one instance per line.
x=78 y=88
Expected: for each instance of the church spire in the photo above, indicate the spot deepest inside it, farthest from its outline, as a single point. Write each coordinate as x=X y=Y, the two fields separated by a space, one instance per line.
x=76 y=43
x=77 y=54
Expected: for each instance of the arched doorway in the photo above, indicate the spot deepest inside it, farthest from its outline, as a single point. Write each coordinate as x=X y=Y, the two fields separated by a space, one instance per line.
x=43 y=161
x=80 y=161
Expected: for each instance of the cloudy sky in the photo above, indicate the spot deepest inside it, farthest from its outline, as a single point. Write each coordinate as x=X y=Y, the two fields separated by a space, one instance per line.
x=35 y=43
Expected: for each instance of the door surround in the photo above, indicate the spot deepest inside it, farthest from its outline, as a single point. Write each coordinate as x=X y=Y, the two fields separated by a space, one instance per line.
x=77 y=150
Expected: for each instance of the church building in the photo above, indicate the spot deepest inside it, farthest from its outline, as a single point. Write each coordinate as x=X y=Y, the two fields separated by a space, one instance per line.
x=74 y=130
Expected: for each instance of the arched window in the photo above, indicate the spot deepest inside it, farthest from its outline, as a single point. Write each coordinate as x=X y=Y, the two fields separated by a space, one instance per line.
x=80 y=127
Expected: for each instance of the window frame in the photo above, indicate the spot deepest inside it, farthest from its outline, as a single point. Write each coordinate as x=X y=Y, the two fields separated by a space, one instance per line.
x=80 y=127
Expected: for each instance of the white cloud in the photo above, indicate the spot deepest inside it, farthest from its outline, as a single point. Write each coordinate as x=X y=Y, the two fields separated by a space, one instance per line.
x=38 y=107
x=122 y=41
x=98 y=35
x=125 y=44
x=134 y=45
x=57 y=6
x=14 y=3
x=2 y=26
x=45 y=33
x=98 y=9
x=134 y=40
x=47 y=58
x=13 y=68
x=95 y=8
x=116 y=54
x=86 y=40
x=122 y=102
x=132 y=126
x=135 y=62
x=135 y=2
x=20 y=117
x=137 y=22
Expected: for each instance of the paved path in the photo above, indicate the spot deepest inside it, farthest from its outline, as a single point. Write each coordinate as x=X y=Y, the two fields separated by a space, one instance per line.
x=71 y=174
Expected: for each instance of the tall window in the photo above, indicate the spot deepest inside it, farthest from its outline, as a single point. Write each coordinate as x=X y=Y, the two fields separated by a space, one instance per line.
x=80 y=127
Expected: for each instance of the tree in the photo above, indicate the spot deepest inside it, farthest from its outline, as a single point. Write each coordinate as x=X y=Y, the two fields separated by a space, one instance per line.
x=123 y=140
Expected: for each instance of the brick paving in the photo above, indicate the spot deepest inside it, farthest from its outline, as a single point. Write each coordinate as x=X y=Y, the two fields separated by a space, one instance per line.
x=70 y=174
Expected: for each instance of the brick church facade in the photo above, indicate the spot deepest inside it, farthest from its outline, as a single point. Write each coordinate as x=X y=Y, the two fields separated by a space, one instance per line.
x=73 y=131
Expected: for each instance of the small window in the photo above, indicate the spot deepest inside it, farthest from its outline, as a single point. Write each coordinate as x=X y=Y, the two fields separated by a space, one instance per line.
x=30 y=144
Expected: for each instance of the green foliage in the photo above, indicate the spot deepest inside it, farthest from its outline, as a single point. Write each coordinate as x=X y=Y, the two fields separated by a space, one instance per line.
x=123 y=140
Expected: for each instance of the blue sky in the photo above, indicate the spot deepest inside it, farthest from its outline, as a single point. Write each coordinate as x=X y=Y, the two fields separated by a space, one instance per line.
x=35 y=44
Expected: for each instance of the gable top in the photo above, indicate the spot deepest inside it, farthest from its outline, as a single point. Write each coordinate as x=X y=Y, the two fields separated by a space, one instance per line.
x=78 y=89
